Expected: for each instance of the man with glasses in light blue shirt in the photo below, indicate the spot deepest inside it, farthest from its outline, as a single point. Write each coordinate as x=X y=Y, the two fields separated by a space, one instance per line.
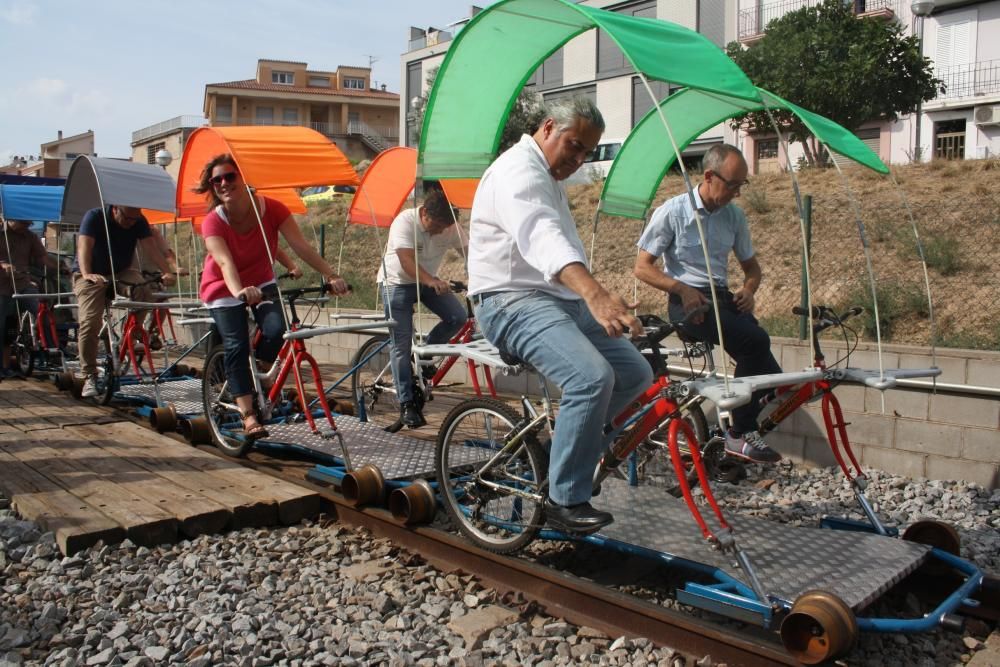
x=672 y=234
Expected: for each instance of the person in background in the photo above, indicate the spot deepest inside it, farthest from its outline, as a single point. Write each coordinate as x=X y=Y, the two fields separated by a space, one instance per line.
x=105 y=252
x=673 y=235
x=431 y=227
x=238 y=272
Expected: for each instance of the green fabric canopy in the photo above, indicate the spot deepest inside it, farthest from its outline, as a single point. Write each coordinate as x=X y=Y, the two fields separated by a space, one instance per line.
x=647 y=154
x=492 y=58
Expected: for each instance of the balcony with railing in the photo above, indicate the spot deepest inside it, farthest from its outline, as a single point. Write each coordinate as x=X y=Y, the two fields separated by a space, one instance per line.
x=176 y=123
x=753 y=20
x=977 y=79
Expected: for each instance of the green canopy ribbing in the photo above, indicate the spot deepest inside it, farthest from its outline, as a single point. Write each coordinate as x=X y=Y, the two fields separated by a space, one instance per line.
x=492 y=58
x=647 y=154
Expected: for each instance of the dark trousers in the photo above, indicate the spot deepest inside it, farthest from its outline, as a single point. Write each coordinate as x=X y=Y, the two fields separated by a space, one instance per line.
x=231 y=323
x=746 y=342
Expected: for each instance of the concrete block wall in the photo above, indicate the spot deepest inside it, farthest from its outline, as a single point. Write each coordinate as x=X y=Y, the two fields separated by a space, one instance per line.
x=915 y=432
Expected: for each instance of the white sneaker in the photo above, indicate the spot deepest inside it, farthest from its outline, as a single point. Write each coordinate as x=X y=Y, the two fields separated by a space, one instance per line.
x=751 y=446
x=89 y=387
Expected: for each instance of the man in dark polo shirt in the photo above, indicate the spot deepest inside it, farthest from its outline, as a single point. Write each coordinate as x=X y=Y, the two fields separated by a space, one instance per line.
x=105 y=249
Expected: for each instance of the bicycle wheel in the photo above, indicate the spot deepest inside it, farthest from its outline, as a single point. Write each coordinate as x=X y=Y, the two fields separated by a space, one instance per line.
x=107 y=381
x=373 y=388
x=221 y=413
x=654 y=464
x=498 y=507
x=23 y=350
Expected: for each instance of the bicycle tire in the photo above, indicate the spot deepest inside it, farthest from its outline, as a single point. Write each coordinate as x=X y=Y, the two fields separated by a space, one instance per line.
x=493 y=520
x=373 y=387
x=107 y=381
x=655 y=465
x=221 y=418
x=23 y=350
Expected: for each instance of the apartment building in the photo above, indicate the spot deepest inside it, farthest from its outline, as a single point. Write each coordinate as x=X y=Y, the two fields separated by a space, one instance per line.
x=960 y=37
x=54 y=157
x=590 y=65
x=342 y=104
x=170 y=135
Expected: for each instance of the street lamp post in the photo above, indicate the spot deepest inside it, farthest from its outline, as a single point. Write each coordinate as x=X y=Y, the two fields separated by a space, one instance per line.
x=921 y=9
x=163 y=158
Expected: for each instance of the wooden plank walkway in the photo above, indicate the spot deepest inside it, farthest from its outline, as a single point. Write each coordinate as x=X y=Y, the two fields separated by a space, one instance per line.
x=87 y=474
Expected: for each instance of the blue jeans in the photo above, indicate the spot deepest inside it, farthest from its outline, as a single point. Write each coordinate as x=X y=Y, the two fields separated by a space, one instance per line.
x=8 y=307
x=746 y=342
x=399 y=301
x=598 y=376
x=231 y=323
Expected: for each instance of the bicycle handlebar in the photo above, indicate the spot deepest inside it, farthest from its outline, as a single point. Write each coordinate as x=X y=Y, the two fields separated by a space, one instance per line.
x=657 y=328
x=825 y=317
x=458 y=286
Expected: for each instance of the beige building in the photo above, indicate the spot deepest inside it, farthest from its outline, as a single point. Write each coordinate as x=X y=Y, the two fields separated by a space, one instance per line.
x=341 y=104
x=170 y=135
x=54 y=157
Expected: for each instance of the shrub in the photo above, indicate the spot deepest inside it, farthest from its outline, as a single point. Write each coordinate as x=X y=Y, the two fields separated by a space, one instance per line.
x=756 y=200
x=943 y=254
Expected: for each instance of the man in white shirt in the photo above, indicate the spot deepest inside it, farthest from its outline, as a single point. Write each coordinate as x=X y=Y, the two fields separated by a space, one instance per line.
x=432 y=228
x=673 y=235
x=537 y=300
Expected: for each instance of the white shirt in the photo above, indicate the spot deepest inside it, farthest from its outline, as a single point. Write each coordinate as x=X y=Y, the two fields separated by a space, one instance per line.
x=672 y=234
x=522 y=233
x=430 y=249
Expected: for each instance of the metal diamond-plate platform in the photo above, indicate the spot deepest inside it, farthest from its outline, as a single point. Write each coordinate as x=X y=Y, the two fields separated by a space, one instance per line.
x=185 y=395
x=397 y=456
x=789 y=560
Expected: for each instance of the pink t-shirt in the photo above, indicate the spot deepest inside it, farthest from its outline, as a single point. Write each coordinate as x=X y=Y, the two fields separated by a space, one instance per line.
x=249 y=254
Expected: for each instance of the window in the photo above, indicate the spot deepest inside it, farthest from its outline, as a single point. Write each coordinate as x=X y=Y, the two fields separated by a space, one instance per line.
x=289 y=116
x=414 y=88
x=767 y=149
x=953 y=45
x=319 y=81
x=712 y=21
x=223 y=112
x=284 y=78
x=641 y=103
x=610 y=59
x=352 y=83
x=590 y=92
x=550 y=73
x=152 y=150
x=264 y=116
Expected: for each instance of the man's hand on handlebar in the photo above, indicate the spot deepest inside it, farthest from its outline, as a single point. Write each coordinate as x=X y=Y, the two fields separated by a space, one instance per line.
x=744 y=300
x=168 y=279
x=693 y=300
x=439 y=286
x=337 y=285
x=615 y=314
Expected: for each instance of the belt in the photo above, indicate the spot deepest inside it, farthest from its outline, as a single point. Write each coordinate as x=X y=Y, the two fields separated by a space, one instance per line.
x=482 y=296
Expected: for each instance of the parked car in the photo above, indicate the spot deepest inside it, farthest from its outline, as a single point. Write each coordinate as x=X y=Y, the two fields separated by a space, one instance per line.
x=323 y=193
x=598 y=163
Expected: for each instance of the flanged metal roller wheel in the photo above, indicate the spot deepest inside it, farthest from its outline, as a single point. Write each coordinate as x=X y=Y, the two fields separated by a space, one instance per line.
x=413 y=504
x=934 y=534
x=196 y=431
x=163 y=419
x=364 y=486
x=63 y=381
x=820 y=627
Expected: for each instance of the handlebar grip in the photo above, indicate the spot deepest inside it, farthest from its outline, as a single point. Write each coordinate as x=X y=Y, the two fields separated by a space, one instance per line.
x=817 y=312
x=458 y=286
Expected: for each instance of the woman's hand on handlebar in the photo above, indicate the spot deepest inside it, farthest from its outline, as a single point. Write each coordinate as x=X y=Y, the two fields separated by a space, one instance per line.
x=250 y=295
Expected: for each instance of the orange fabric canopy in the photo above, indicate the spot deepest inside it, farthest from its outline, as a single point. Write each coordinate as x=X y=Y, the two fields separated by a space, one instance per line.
x=460 y=191
x=268 y=157
x=386 y=184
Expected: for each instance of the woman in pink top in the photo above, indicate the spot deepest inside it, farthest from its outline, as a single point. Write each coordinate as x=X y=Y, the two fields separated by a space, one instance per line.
x=238 y=273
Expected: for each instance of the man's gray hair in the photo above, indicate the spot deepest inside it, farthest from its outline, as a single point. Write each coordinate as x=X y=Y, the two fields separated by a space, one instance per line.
x=717 y=155
x=567 y=110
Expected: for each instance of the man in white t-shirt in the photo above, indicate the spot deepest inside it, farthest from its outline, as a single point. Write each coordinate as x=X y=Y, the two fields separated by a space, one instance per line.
x=421 y=235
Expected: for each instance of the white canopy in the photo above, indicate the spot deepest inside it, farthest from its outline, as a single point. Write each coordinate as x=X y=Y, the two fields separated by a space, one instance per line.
x=98 y=182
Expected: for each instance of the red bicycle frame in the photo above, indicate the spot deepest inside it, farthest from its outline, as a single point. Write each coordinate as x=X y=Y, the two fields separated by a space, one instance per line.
x=465 y=335
x=127 y=347
x=45 y=325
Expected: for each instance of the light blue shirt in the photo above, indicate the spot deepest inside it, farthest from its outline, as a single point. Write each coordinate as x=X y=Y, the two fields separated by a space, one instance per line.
x=672 y=234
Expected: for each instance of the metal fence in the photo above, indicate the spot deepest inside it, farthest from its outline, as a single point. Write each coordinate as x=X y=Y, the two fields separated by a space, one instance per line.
x=970 y=79
x=753 y=20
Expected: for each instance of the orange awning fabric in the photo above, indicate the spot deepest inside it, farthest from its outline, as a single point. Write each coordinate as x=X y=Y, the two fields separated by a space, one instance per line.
x=386 y=184
x=269 y=158
x=460 y=191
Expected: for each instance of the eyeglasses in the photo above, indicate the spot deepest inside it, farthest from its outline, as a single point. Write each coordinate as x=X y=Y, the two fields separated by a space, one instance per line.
x=228 y=177
x=731 y=185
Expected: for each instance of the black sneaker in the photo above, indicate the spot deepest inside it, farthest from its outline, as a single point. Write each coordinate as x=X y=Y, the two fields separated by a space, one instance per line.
x=580 y=519
x=410 y=415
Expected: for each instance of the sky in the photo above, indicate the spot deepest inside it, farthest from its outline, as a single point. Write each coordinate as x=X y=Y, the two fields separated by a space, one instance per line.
x=115 y=66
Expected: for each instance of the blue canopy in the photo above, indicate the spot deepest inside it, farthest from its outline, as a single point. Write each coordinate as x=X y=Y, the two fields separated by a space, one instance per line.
x=31 y=202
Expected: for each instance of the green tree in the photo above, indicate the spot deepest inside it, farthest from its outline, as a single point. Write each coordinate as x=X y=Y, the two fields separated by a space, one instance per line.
x=851 y=70
x=523 y=118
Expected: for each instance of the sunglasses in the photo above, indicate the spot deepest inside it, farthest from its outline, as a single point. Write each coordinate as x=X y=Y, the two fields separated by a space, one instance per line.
x=731 y=185
x=228 y=177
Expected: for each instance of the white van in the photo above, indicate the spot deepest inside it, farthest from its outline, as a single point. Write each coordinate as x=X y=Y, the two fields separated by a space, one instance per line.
x=597 y=164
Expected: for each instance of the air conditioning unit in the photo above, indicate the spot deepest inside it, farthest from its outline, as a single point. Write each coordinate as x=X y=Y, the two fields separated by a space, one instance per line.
x=988 y=114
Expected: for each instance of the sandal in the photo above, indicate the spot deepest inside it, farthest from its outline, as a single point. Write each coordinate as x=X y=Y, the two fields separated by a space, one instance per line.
x=255 y=432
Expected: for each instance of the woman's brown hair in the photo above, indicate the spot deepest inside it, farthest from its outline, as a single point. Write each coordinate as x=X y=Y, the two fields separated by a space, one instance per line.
x=204 y=181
